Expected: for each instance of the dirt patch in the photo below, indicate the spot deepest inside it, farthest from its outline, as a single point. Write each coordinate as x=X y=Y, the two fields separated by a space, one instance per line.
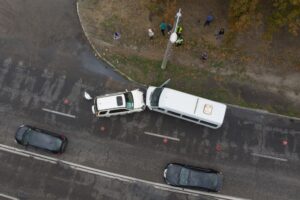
x=242 y=68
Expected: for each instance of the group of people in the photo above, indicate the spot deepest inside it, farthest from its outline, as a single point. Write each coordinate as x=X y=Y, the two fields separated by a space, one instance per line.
x=167 y=28
x=163 y=28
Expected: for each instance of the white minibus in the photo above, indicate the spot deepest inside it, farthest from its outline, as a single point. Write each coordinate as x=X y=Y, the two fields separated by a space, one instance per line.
x=186 y=106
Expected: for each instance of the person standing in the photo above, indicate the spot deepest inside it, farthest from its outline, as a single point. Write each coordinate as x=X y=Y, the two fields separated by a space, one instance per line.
x=117 y=35
x=179 y=41
x=220 y=34
x=204 y=56
x=163 y=27
x=169 y=28
x=179 y=31
x=150 y=33
x=209 y=19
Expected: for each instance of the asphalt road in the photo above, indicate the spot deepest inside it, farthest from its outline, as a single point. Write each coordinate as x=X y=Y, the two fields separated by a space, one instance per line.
x=46 y=63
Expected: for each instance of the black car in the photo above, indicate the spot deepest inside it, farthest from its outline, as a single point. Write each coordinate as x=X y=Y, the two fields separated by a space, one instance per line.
x=30 y=136
x=193 y=177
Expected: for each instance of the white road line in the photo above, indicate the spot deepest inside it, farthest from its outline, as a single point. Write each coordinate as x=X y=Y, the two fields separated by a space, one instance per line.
x=162 y=136
x=8 y=197
x=59 y=113
x=111 y=175
x=269 y=157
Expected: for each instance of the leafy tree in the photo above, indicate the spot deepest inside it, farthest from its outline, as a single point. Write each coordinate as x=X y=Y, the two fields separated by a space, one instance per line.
x=285 y=13
x=242 y=13
x=282 y=13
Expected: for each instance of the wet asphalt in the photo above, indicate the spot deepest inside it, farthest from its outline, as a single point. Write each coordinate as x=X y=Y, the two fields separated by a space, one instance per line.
x=46 y=62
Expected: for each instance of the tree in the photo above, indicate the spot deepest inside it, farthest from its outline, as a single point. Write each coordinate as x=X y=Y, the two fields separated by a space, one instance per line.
x=277 y=14
x=242 y=14
x=285 y=13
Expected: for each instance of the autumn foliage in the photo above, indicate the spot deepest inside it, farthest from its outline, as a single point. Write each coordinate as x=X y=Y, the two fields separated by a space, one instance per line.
x=280 y=14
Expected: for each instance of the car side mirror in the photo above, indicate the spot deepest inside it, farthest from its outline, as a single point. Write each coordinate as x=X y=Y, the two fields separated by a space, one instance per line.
x=87 y=96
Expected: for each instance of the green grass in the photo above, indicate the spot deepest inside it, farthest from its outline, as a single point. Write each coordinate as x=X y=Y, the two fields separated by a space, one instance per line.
x=110 y=23
x=195 y=81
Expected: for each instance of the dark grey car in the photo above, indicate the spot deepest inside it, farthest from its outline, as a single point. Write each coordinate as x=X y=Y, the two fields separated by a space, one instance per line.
x=30 y=136
x=193 y=177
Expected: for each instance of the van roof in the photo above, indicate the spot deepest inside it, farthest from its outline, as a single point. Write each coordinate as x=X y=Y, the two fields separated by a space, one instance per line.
x=191 y=105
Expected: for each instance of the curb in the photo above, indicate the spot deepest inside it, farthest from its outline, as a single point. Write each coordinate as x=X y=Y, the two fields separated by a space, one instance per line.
x=264 y=112
x=97 y=54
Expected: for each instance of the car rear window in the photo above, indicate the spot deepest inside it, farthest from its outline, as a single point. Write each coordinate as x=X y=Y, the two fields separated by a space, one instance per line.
x=202 y=179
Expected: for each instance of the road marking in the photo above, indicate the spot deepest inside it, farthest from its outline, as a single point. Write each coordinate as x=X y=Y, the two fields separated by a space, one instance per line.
x=269 y=157
x=8 y=197
x=111 y=175
x=162 y=136
x=59 y=113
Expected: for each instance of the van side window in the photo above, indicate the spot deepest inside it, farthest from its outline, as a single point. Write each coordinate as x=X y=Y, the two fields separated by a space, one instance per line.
x=173 y=113
x=207 y=123
x=190 y=118
x=119 y=101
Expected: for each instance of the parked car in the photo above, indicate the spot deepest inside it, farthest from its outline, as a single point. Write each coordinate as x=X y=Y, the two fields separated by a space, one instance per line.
x=119 y=103
x=30 y=136
x=185 y=176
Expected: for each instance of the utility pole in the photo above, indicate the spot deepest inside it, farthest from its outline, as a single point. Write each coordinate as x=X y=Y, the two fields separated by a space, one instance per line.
x=171 y=41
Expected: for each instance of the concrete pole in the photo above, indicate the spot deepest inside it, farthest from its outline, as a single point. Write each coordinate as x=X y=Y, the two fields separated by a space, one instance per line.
x=172 y=39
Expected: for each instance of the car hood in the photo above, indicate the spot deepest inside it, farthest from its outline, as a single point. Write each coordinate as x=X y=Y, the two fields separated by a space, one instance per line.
x=20 y=132
x=138 y=99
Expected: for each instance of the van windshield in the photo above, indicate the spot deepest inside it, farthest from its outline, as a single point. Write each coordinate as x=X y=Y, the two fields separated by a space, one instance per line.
x=155 y=96
x=129 y=100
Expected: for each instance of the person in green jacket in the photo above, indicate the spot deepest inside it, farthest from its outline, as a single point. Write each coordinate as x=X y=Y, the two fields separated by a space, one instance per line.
x=163 y=27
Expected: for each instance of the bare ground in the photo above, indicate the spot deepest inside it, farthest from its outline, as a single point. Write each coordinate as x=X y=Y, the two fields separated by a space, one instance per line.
x=242 y=68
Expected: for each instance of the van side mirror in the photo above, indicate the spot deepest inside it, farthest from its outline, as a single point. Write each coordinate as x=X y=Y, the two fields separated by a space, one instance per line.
x=165 y=83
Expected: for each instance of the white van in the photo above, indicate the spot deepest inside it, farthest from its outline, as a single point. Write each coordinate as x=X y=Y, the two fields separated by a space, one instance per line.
x=186 y=106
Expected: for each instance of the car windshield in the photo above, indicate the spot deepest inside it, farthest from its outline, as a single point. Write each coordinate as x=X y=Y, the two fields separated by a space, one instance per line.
x=26 y=136
x=184 y=176
x=155 y=96
x=129 y=100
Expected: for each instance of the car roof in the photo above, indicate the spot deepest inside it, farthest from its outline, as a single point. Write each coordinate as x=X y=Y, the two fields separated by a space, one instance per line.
x=110 y=101
x=44 y=140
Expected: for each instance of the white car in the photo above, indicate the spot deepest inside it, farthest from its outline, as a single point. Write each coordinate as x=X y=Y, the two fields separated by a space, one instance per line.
x=119 y=103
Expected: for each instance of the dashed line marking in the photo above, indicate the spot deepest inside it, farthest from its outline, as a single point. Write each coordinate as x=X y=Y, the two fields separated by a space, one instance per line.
x=8 y=197
x=59 y=113
x=269 y=157
x=162 y=136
